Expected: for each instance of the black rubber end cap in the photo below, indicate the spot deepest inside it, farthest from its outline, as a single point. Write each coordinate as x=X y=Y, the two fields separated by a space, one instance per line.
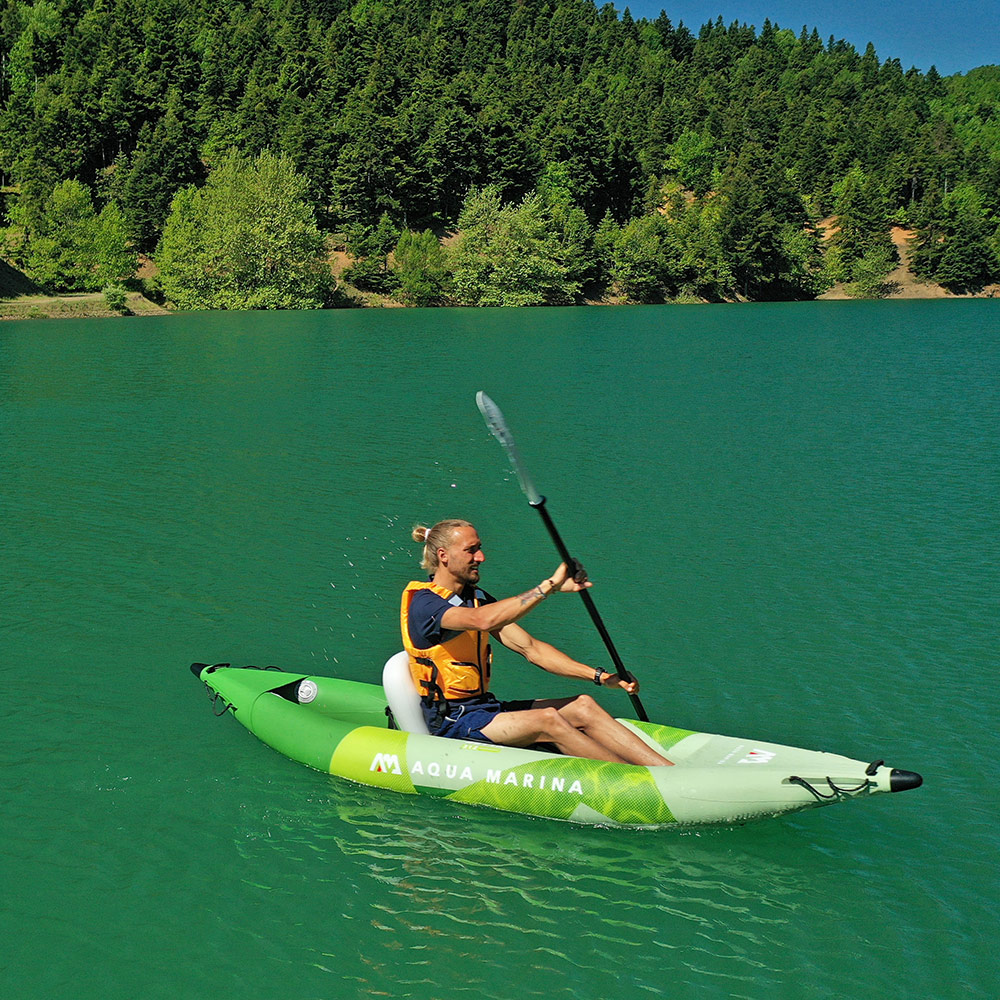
x=900 y=781
x=197 y=668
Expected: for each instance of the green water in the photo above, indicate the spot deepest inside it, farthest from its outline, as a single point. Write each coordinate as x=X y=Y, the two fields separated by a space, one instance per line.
x=790 y=513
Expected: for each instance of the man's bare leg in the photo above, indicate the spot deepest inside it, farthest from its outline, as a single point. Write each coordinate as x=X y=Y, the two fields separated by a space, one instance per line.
x=586 y=715
x=578 y=726
x=545 y=725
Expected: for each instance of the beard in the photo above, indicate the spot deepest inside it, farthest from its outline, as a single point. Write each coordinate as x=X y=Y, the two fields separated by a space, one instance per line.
x=468 y=576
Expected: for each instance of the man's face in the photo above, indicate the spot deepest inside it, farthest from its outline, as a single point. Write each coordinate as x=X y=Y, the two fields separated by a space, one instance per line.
x=463 y=555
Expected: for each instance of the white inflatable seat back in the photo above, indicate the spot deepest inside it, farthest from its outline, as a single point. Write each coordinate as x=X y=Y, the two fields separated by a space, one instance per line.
x=402 y=695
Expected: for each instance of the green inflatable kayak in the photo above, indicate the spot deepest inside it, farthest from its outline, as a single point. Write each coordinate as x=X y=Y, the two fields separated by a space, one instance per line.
x=344 y=728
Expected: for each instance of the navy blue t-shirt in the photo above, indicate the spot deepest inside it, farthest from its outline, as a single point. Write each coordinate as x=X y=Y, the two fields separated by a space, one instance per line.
x=426 y=609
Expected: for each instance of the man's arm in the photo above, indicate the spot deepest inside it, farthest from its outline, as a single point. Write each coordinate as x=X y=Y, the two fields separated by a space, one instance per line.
x=542 y=654
x=555 y=661
x=495 y=616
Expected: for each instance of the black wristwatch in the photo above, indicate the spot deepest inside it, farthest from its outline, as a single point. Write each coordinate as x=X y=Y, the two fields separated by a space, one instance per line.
x=598 y=674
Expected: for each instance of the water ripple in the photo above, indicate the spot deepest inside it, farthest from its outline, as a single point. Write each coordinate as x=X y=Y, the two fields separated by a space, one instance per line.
x=509 y=892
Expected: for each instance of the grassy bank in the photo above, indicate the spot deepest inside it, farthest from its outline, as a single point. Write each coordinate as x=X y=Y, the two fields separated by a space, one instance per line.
x=21 y=298
x=78 y=306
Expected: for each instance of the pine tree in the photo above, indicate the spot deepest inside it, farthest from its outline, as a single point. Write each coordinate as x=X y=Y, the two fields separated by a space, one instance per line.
x=957 y=249
x=166 y=160
x=862 y=219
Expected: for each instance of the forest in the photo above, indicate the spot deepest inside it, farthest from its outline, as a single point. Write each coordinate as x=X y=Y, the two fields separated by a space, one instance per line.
x=477 y=152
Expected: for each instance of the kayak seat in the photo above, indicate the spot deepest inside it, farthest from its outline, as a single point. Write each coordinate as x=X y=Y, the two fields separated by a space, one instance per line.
x=401 y=694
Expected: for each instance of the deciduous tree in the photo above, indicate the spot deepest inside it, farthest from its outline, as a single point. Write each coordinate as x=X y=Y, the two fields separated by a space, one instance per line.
x=247 y=240
x=509 y=255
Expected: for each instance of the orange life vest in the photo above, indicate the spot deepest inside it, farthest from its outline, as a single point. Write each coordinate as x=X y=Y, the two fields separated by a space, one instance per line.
x=456 y=668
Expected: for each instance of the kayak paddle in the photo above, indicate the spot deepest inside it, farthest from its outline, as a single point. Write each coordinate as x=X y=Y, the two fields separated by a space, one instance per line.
x=498 y=427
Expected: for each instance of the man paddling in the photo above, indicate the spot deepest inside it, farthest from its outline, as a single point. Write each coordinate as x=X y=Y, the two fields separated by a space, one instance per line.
x=446 y=624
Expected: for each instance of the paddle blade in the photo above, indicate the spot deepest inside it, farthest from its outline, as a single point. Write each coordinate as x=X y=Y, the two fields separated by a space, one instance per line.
x=498 y=428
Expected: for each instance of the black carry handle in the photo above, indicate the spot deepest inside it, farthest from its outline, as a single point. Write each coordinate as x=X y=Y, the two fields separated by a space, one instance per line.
x=498 y=427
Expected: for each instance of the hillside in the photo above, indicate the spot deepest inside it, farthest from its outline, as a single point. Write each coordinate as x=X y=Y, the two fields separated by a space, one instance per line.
x=902 y=283
x=395 y=114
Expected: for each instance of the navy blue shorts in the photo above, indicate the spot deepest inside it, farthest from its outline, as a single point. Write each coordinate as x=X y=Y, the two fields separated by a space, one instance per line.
x=464 y=720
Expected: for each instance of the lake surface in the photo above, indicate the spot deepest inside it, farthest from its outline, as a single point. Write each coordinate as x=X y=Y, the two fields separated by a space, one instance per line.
x=790 y=515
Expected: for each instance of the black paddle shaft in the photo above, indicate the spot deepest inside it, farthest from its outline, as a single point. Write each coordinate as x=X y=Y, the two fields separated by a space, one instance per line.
x=498 y=428
x=588 y=603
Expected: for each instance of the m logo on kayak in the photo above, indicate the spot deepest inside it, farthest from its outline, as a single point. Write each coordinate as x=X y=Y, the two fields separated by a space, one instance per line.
x=757 y=757
x=386 y=763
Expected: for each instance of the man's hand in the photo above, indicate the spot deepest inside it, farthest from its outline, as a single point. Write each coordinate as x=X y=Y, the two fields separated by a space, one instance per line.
x=613 y=680
x=570 y=579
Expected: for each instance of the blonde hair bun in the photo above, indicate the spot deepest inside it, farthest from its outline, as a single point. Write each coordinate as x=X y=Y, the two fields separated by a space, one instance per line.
x=441 y=535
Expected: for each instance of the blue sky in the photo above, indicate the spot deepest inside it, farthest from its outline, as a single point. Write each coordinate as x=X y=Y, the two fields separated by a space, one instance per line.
x=954 y=37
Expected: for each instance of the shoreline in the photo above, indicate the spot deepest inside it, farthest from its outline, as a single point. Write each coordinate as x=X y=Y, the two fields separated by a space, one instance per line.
x=93 y=305
x=900 y=284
